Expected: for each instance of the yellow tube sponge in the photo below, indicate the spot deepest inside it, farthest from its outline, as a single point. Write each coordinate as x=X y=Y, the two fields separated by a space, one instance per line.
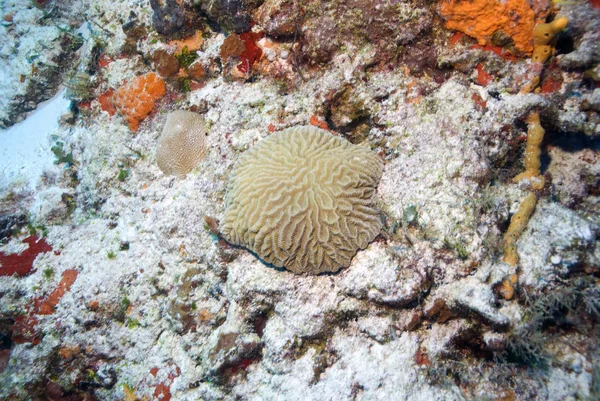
x=517 y=224
x=535 y=136
x=543 y=35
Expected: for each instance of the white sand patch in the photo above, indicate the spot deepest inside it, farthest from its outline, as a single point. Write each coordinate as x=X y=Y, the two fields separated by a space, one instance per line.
x=25 y=147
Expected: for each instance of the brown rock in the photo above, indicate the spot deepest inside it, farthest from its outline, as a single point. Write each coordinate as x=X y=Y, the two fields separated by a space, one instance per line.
x=320 y=41
x=165 y=63
x=93 y=305
x=279 y=18
x=347 y=108
x=328 y=27
x=196 y=71
x=4 y=358
x=233 y=46
x=415 y=321
x=69 y=352
x=421 y=357
x=439 y=311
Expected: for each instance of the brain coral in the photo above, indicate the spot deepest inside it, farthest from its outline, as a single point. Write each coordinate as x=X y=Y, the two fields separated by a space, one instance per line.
x=303 y=199
x=182 y=143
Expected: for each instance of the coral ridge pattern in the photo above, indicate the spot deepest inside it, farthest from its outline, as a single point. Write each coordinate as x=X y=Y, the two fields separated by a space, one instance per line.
x=303 y=199
x=182 y=143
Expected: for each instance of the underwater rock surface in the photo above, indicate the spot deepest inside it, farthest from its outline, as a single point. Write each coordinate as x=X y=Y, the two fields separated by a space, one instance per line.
x=115 y=283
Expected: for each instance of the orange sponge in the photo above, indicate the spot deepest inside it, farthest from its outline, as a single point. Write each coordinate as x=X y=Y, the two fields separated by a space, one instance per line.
x=136 y=98
x=480 y=19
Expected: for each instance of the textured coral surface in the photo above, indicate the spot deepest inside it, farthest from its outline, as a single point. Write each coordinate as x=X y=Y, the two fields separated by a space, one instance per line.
x=181 y=145
x=303 y=199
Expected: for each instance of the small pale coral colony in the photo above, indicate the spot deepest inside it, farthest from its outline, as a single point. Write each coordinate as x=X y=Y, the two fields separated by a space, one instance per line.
x=182 y=143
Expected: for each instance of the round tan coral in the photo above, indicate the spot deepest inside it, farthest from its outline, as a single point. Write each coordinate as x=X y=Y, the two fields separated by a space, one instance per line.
x=182 y=143
x=303 y=199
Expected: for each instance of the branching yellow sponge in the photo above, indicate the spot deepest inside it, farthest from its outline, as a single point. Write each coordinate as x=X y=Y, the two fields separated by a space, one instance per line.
x=517 y=224
x=535 y=136
x=544 y=42
x=543 y=38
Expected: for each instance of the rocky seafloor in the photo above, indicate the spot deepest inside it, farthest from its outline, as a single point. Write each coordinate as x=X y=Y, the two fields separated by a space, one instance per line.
x=116 y=285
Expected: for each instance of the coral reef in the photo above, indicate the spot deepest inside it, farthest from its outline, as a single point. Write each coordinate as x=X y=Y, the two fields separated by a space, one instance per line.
x=10 y=223
x=564 y=244
x=303 y=199
x=47 y=305
x=181 y=145
x=544 y=40
x=239 y=53
x=136 y=98
x=327 y=28
x=36 y=55
x=166 y=64
x=396 y=284
x=21 y=264
x=583 y=26
x=232 y=46
x=279 y=18
x=116 y=284
x=231 y=15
